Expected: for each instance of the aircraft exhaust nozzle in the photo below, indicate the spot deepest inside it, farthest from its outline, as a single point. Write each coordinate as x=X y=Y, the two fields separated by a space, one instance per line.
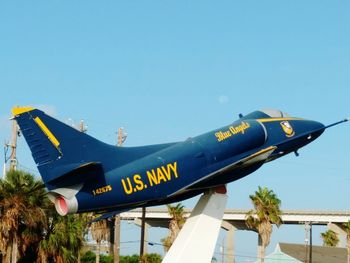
x=63 y=205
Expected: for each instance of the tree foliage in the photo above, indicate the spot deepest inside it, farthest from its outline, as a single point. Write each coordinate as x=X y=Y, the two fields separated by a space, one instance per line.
x=330 y=238
x=100 y=231
x=30 y=226
x=153 y=258
x=176 y=222
x=346 y=228
x=22 y=217
x=62 y=240
x=90 y=257
x=265 y=213
x=130 y=259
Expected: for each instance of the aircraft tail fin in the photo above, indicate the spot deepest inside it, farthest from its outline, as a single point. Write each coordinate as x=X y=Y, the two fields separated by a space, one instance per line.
x=57 y=148
x=66 y=156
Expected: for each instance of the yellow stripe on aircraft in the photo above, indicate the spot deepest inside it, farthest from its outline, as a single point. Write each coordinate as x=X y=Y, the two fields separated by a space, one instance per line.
x=270 y=148
x=48 y=133
x=19 y=110
x=279 y=119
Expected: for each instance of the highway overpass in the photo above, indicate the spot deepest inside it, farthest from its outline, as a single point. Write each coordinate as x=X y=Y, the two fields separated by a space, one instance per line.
x=235 y=220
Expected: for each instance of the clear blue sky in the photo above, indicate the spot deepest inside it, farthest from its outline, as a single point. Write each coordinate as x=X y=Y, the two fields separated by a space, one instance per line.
x=168 y=70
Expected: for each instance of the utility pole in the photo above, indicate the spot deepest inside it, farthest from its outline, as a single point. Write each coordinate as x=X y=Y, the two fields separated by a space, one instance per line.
x=115 y=235
x=307 y=232
x=5 y=159
x=13 y=166
x=82 y=126
x=143 y=222
x=13 y=147
x=308 y=242
x=121 y=135
x=310 y=256
x=116 y=245
x=142 y=242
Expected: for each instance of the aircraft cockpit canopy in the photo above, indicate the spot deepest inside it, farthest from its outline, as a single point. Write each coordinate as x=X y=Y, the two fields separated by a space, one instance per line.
x=275 y=113
x=265 y=113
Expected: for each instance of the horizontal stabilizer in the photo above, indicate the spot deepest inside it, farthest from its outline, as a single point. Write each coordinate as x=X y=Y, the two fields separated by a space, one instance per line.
x=72 y=169
x=108 y=215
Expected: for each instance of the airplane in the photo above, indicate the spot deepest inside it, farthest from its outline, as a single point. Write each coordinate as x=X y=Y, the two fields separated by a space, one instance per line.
x=83 y=174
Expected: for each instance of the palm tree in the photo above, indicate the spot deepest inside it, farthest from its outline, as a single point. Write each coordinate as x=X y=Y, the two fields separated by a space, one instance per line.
x=99 y=232
x=346 y=228
x=330 y=238
x=266 y=212
x=176 y=222
x=62 y=239
x=22 y=217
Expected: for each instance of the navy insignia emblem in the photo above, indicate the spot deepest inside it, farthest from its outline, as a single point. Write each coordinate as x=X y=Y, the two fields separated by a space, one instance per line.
x=287 y=128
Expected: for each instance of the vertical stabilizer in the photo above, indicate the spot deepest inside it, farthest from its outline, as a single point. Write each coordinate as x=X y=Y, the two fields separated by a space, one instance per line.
x=57 y=148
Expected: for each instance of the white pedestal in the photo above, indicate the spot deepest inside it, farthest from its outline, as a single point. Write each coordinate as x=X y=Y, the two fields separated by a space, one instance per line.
x=196 y=240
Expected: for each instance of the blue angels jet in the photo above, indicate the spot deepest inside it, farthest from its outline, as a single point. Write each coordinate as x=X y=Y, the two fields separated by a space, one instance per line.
x=83 y=174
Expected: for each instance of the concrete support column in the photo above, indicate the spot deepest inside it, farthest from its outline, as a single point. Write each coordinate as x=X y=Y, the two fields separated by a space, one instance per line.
x=230 y=245
x=341 y=234
x=145 y=245
x=229 y=253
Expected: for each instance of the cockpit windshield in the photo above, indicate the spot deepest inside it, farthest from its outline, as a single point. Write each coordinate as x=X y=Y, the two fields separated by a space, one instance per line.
x=275 y=113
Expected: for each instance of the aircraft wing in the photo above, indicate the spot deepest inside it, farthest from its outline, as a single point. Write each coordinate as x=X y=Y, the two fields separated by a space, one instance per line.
x=253 y=158
x=109 y=215
x=257 y=157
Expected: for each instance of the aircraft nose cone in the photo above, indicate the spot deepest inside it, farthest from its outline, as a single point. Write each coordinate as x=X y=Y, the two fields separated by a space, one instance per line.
x=317 y=125
x=315 y=128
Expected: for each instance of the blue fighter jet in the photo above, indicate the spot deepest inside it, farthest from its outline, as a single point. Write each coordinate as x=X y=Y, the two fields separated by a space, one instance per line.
x=83 y=174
